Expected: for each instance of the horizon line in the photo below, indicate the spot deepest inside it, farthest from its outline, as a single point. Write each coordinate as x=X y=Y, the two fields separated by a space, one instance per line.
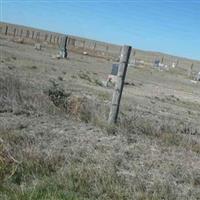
x=145 y=50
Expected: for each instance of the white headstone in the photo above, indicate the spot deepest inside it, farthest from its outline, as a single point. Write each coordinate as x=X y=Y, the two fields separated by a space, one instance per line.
x=38 y=46
x=198 y=77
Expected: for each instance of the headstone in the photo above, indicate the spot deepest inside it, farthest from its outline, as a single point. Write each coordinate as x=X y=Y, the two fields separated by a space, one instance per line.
x=156 y=63
x=38 y=46
x=85 y=53
x=114 y=70
x=198 y=77
x=112 y=77
x=173 y=65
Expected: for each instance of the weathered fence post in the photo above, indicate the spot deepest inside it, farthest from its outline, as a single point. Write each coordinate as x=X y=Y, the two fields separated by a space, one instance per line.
x=177 y=62
x=162 y=60
x=6 y=31
x=21 y=32
x=50 y=39
x=32 y=36
x=190 y=70
x=14 y=32
x=94 y=48
x=124 y=58
x=64 y=47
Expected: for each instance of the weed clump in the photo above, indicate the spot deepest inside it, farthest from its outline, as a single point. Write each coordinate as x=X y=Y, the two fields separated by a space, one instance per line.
x=58 y=96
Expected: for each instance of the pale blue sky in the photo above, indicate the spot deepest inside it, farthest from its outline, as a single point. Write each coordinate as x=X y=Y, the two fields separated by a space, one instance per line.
x=167 y=26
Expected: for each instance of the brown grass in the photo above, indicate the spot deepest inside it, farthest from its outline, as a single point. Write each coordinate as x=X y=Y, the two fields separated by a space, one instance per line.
x=32 y=167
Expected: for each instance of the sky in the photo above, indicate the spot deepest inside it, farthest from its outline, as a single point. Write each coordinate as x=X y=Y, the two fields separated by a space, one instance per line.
x=171 y=27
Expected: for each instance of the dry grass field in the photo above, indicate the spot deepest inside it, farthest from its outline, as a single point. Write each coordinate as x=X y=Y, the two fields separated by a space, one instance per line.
x=55 y=142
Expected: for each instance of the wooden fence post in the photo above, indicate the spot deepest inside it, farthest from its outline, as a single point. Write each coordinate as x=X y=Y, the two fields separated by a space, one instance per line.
x=124 y=58
x=94 y=48
x=6 y=31
x=50 y=39
x=64 y=47
x=190 y=70
x=14 y=32
x=32 y=34
x=162 y=61
x=177 y=62
x=21 y=32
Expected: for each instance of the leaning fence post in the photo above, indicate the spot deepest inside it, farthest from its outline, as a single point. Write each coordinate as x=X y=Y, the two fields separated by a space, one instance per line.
x=124 y=58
